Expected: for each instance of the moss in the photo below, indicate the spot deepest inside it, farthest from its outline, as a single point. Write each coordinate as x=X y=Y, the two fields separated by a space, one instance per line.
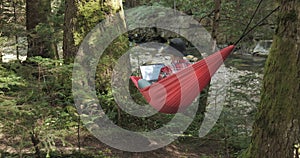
x=246 y=153
x=289 y=16
x=90 y=13
x=278 y=91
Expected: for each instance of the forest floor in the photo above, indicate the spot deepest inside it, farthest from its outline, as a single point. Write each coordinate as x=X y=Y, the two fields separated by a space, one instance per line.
x=182 y=148
x=91 y=147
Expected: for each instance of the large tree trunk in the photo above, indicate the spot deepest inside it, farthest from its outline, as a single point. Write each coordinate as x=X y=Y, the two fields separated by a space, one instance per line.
x=39 y=44
x=276 y=132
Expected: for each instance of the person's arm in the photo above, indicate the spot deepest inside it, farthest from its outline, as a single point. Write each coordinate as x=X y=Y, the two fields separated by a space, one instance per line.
x=164 y=72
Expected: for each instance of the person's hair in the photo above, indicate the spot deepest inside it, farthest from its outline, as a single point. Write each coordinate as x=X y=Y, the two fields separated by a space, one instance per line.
x=178 y=44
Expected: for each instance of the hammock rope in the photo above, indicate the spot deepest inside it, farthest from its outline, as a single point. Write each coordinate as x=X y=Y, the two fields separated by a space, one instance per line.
x=176 y=92
x=257 y=24
x=251 y=19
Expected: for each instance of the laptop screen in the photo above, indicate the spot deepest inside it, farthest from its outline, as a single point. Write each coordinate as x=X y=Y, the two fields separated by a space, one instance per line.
x=151 y=72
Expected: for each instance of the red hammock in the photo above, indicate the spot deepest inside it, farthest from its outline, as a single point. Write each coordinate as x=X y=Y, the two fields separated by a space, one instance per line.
x=177 y=91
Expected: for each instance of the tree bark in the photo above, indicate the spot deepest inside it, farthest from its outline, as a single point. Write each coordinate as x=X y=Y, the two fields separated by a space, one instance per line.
x=276 y=131
x=131 y=3
x=80 y=24
x=215 y=26
x=35 y=141
x=69 y=47
x=1 y=23
x=16 y=36
x=37 y=12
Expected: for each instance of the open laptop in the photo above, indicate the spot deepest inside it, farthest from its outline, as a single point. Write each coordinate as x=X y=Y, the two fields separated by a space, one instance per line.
x=151 y=72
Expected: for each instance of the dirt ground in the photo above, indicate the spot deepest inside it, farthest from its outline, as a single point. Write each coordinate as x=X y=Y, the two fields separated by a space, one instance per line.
x=187 y=148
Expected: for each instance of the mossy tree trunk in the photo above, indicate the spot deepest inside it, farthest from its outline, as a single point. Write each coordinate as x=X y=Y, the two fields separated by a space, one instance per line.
x=276 y=131
x=81 y=16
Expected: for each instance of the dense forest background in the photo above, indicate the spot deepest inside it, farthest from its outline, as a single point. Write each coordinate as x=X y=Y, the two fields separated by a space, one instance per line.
x=39 y=41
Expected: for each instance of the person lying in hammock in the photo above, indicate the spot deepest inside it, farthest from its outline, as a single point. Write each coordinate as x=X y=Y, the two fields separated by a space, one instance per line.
x=178 y=63
x=175 y=66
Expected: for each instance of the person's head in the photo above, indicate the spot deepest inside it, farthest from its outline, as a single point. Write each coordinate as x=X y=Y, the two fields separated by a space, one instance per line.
x=178 y=44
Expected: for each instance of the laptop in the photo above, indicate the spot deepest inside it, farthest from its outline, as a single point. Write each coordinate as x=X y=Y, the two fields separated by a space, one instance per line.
x=151 y=72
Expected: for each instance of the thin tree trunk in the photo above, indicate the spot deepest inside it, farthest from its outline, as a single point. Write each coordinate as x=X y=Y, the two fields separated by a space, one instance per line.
x=78 y=134
x=35 y=141
x=54 y=49
x=238 y=4
x=1 y=23
x=16 y=36
x=215 y=26
x=69 y=47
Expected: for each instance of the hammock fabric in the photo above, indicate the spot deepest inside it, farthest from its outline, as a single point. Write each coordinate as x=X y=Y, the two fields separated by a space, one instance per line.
x=177 y=91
